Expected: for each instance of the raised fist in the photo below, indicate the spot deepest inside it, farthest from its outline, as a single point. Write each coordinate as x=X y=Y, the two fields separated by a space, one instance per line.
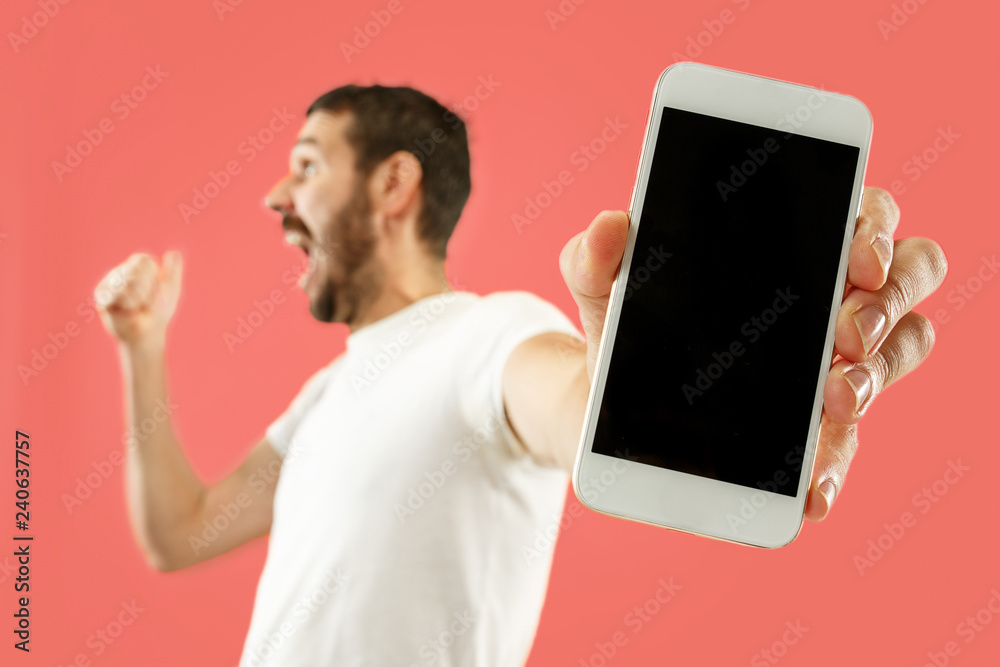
x=137 y=298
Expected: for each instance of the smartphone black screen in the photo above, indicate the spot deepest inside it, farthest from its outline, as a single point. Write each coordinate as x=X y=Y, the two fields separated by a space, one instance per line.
x=721 y=335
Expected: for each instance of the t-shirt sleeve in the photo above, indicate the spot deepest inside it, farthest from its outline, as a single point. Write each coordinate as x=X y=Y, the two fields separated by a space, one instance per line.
x=281 y=430
x=503 y=320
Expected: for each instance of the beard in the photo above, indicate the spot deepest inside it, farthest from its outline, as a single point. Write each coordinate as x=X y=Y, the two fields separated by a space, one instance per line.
x=349 y=275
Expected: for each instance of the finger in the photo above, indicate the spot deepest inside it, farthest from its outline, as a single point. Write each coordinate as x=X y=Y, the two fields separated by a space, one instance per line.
x=139 y=276
x=109 y=291
x=865 y=318
x=851 y=387
x=590 y=260
x=171 y=274
x=871 y=247
x=838 y=443
x=114 y=292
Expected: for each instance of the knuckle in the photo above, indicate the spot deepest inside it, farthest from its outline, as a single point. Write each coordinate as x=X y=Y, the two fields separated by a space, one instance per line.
x=137 y=264
x=896 y=294
x=883 y=200
x=937 y=263
x=843 y=455
x=923 y=332
x=881 y=367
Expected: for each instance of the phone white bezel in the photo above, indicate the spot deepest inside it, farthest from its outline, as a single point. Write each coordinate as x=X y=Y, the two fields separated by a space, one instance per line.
x=677 y=500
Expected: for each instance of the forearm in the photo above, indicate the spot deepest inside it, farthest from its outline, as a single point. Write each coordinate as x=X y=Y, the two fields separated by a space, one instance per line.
x=546 y=387
x=567 y=416
x=163 y=492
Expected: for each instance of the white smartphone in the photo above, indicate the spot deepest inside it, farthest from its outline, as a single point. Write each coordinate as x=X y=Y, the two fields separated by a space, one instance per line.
x=707 y=396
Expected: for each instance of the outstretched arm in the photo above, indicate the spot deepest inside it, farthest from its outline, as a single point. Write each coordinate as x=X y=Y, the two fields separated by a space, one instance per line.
x=878 y=341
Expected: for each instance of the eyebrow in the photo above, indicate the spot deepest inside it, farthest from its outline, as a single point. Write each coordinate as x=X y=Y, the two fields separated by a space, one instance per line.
x=308 y=140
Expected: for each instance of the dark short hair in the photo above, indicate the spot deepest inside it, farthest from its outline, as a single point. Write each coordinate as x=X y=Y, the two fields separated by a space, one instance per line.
x=389 y=119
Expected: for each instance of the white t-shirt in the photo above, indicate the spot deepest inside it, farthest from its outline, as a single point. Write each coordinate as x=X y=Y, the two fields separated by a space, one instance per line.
x=409 y=527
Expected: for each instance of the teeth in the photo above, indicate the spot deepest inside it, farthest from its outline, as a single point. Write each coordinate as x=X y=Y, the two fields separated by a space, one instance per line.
x=309 y=268
x=293 y=237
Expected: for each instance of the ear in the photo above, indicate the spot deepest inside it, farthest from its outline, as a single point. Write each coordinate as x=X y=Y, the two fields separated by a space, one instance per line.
x=394 y=186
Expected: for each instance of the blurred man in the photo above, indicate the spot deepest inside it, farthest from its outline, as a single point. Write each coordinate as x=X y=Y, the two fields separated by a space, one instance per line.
x=405 y=487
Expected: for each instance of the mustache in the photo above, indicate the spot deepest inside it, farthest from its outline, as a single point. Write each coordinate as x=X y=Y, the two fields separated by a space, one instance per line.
x=294 y=223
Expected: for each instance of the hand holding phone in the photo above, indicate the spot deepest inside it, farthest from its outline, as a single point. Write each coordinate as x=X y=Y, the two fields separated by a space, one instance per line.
x=709 y=357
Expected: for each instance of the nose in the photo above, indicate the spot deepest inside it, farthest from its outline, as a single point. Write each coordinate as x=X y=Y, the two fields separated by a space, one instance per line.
x=279 y=197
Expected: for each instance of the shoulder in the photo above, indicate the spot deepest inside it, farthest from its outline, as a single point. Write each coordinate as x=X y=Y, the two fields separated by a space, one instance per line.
x=499 y=321
x=518 y=304
x=318 y=380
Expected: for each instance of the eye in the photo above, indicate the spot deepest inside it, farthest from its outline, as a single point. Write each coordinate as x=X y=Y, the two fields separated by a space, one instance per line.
x=308 y=169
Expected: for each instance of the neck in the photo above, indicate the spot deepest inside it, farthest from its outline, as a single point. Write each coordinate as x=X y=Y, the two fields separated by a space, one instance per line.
x=402 y=288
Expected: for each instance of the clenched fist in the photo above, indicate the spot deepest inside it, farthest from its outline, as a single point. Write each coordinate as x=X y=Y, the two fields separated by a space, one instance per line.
x=137 y=298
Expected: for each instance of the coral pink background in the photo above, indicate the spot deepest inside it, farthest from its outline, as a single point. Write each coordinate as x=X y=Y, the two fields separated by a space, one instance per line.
x=557 y=86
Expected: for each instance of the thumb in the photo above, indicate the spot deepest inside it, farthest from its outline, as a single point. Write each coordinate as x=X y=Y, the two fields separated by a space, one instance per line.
x=589 y=263
x=591 y=259
x=171 y=272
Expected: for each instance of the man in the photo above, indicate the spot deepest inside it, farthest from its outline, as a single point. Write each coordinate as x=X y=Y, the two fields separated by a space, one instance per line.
x=416 y=468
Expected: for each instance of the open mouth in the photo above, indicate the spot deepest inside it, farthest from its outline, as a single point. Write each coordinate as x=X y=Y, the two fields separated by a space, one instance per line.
x=294 y=237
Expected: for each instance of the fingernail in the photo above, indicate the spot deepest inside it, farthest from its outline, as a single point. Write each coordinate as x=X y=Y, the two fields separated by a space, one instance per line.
x=870 y=322
x=581 y=250
x=829 y=491
x=883 y=250
x=861 y=384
